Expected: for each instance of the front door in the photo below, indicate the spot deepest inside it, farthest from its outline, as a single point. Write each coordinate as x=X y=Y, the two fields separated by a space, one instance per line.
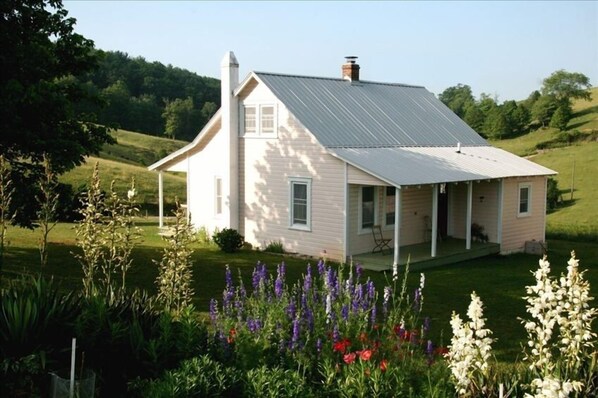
x=443 y=212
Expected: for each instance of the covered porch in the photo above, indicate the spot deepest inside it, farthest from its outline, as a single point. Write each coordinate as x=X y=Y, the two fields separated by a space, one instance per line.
x=448 y=251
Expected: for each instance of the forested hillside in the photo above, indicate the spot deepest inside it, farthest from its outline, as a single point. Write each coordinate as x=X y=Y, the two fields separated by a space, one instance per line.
x=150 y=97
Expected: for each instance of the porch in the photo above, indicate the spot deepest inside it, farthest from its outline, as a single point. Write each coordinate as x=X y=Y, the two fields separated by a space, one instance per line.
x=449 y=250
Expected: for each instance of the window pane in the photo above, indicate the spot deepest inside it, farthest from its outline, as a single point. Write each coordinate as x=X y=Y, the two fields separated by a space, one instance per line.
x=299 y=203
x=267 y=119
x=367 y=207
x=523 y=199
x=218 y=196
x=250 y=119
x=390 y=205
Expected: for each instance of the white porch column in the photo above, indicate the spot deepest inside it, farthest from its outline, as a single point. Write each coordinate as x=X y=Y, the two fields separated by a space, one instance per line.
x=397 y=236
x=160 y=200
x=500 y=212
x=434 y=236
x=346 y=215
x=468 y=222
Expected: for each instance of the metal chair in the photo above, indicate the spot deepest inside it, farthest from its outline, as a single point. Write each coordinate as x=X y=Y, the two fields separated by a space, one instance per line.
x=380 y=241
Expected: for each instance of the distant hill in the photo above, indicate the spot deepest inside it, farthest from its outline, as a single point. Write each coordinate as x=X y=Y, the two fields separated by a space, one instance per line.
x=560 y=151
x=130 y=158
x=136 y=93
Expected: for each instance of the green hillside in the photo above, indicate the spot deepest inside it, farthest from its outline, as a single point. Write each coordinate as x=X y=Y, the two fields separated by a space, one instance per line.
x=130 y=158
x=559 y=151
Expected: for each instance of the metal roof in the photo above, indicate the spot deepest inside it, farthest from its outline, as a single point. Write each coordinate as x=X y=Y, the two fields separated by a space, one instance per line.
x=340 y=113
x=433 y=165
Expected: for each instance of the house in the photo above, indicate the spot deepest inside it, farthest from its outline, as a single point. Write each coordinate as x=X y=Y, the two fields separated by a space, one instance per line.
x=316 y=163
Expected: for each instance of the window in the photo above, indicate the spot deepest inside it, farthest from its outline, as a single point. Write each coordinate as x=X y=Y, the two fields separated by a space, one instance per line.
x=525 y=199
x=250 y=118
x=389 y=205
x=218 y=195
x=259 y=120
x=300 y=206
x=367 y=208
x=267 y=120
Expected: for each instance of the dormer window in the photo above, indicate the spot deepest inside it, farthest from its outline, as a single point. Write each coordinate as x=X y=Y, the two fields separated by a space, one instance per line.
x=259 y=121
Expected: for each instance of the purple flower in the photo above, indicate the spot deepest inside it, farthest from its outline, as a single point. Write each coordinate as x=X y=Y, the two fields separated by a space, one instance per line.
x=307 y=281
x=278 y=287
x=371 y=290
x=319 y=345
x=213 y=311
x=254 y=325
x=296 y=332
x=321 y=267
x=358 y=270
x=357 y=298
x=229 y=278
x=291 y=309
x=335 y=333
x=373 y=315
x=345 y=312
x=303 y=300
x=426 y=325
x=309 y=319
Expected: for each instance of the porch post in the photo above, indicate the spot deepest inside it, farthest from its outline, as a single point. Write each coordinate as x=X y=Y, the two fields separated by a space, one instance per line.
x=468 y=222
x=160 y=200
x=434 y=236
x=346 y=215
x=397 y=226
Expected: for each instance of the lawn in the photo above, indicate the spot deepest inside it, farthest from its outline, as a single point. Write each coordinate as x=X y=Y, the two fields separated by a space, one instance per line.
x=499 y=280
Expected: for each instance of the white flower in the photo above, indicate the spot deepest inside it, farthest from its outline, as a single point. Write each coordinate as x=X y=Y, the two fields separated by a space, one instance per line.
x=131 y=193
x=395 y=271
x=422 y=281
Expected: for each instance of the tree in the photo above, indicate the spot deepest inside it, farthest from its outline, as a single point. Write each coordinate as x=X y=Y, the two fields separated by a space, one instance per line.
x=457 y=98
x=179 y=118
x=543 y=109
x=561 y=117
x=40 y=55
x=565 y=86
x=496 y=125
x=474 y=117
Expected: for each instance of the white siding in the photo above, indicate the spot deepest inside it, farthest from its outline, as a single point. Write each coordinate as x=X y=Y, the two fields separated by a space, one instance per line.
x=517 y=230
x=266 y=166
x=484 y=208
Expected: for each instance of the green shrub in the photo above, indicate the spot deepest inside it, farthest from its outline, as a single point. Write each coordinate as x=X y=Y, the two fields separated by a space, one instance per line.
x=275 y=382
x=552 y=193
x=229 y=240
x=275 y=247
x=196 y=377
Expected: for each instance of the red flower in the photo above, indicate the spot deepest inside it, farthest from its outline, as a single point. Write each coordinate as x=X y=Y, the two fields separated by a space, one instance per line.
x=365 y=355
x=383 y=365
x=441 y=351
x=341 y=345
x=349 y=358
x=363 y=337
x=231 y=336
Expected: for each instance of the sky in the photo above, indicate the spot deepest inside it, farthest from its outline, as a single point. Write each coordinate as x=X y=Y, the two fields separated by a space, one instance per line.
x=504 y=49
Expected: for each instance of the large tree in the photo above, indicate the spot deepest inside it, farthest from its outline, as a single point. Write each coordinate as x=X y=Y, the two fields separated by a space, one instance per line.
x=40 y=59
x=458 y=98
x=565 y=86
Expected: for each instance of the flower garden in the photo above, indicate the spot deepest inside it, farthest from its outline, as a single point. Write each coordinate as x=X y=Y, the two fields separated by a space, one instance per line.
x=330 y=333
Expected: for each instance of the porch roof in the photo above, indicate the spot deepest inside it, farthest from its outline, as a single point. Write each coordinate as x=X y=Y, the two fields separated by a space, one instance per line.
x=402 y=166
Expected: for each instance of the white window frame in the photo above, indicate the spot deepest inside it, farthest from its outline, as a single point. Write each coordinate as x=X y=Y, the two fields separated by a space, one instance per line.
x=259 y=122
x=218 y=198
x=307 y=183
x=522 y=186
x=361 y=229
x=386 y=212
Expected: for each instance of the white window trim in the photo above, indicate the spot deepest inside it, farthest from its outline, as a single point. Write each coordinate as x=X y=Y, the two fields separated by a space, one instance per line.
x=216 y=214
x=360 y=229
x=306 y=181
x=386 y=225
x=528 y=213
x=258 y=120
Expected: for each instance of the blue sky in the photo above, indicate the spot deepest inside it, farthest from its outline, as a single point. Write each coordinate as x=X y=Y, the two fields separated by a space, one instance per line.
x=504 y=49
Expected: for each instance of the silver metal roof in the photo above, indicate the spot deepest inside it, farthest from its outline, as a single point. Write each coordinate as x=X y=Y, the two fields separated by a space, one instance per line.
x=348 y=114
x=432 y=165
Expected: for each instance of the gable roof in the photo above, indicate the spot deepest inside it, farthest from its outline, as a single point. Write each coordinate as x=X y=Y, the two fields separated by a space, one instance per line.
x=364 y=114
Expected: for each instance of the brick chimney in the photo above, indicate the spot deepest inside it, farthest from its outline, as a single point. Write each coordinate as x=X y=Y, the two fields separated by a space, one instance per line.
x=351 y=69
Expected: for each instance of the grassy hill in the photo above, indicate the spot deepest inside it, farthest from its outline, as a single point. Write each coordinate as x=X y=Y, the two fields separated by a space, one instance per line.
x=128 y=158
x=560 y=151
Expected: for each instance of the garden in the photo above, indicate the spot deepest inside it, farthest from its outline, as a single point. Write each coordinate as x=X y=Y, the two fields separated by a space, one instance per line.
x=253 y=324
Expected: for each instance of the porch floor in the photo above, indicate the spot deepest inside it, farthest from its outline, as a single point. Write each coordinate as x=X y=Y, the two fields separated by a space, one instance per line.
x=448 y=251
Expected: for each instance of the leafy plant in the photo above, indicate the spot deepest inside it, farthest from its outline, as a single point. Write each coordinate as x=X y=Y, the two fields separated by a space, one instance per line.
x=275 y=247
x=6 y=193
x=47 y=200
x=265 y=382
x=175 y=274
x=229 y=240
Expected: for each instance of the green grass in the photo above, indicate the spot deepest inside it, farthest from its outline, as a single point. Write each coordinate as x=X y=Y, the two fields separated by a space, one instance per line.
x=146 y=181
x=139 y=149
x=447 y=287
